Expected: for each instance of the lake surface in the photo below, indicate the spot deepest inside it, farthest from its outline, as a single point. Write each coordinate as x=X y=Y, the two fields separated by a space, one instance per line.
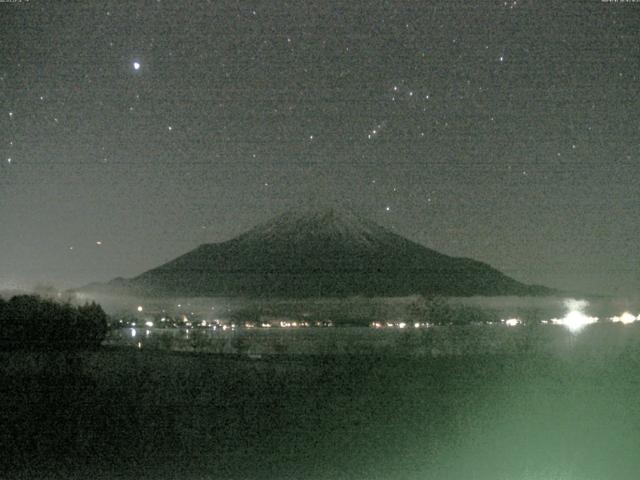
x=127 y=413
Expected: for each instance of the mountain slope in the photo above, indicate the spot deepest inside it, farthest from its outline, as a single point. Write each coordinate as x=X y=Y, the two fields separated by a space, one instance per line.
x=322 y=253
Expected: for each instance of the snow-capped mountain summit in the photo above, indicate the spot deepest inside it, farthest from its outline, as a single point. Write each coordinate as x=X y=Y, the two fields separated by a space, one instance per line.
x=326 y=252
x=326 y=225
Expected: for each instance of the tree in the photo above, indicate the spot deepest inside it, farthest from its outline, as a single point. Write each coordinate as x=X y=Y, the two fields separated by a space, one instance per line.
x=30 y=322
x=93 y=324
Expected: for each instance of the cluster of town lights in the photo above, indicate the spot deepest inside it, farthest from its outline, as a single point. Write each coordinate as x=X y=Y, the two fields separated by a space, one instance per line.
x=575 y=319
x=398 y=325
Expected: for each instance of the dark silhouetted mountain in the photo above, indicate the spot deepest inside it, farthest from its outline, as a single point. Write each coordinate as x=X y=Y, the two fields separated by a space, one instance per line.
x=321 y=253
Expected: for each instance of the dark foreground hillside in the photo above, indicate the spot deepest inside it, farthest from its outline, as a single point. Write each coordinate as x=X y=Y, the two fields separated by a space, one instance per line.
x=124 y=413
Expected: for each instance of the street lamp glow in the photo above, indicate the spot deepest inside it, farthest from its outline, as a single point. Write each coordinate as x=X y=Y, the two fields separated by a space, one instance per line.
x=625 y=318
x=140 y=308
x=575 y=320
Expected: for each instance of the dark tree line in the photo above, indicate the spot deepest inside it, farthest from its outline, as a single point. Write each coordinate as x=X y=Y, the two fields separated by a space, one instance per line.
x=35 y=323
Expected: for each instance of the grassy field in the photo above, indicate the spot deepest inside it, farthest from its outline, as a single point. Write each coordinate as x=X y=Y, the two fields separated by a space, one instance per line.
x=127 y=413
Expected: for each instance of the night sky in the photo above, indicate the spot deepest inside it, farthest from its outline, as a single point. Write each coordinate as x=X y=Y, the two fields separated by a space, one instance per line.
x=131 y=132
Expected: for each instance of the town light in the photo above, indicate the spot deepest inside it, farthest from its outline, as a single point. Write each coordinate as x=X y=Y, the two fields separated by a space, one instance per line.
x=575 y=320
x=625 y=318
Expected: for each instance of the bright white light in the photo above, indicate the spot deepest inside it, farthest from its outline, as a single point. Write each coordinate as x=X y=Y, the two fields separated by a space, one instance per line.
x=139 y=308
x=136 y=65
x=133 y=332
x=149 y=324
x=575 y=319
x=402 y=325
x=512 y=322
x=625 y=318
